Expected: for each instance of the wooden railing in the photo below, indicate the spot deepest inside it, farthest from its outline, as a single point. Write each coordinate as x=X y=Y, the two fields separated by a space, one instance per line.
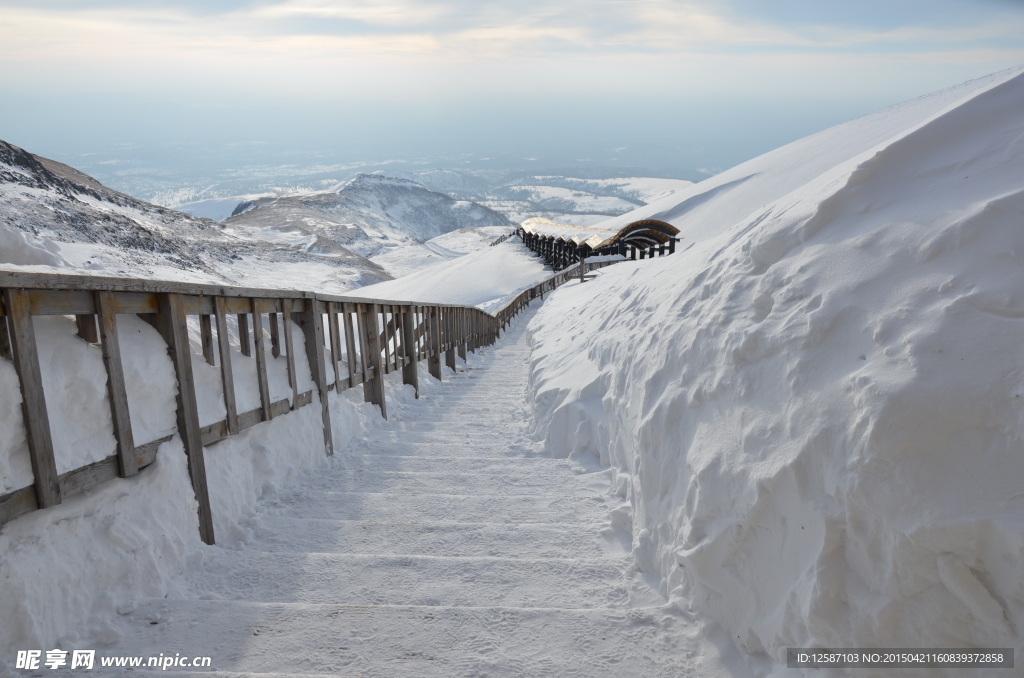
x=502 y=238
x=375 y=337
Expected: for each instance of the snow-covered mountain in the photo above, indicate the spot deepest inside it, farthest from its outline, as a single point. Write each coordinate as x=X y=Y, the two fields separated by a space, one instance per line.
x=455 y=184
x=564 y=199
x=56 y=217
x=367 y=214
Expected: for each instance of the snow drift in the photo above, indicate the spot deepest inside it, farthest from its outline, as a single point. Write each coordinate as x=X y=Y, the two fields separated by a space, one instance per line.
x=488 y=278
x=816 y=411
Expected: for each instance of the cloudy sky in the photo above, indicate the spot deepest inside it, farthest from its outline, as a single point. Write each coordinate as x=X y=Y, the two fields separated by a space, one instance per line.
x=703 y=82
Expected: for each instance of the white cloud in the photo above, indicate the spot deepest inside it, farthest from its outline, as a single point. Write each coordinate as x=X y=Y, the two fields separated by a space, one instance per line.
x=428 y=46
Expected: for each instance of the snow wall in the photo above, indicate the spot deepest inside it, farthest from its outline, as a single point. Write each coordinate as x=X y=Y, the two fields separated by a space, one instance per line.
x=65 y=571
x=815 y=412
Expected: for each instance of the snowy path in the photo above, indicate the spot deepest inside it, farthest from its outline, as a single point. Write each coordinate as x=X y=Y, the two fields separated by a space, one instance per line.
x=439 y=548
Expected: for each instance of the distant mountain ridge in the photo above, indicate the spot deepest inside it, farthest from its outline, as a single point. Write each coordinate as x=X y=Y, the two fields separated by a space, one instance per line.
x=368 y=214
x=55 y=216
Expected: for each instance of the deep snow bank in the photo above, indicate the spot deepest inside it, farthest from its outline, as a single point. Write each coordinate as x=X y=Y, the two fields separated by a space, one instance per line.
x=817 y=411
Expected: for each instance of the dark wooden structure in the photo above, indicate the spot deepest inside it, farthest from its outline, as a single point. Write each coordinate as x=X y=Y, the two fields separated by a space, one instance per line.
x=560 y=248
x=363 y=339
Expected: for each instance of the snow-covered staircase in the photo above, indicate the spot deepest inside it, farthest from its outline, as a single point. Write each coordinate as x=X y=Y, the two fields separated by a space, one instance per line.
x=440 y=547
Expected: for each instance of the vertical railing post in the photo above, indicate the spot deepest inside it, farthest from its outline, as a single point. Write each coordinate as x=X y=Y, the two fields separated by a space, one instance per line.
x=170 y=322
x=117 y=394
x=5 y=340
x=275 y=332
x=433 y=342
x=33 y=403
x=311 y=320
x=261 y=358
x=374 y=387
x=463 y=334
x=390 y=340
x=364 y=351
x=286 y=317
x=449 y=338
x=86 y=325
x=244 y=345
x=410 y=372
x=335 y=330
x=226 y=373
x=206 y=338
x=350 y=342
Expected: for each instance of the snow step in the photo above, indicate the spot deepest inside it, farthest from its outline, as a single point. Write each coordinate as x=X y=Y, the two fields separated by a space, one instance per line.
x=438 y=464
x=527 y=540
x=392 y=641
x=418 y=445
x=426 y=482
x=416 y=580
x=447 y=507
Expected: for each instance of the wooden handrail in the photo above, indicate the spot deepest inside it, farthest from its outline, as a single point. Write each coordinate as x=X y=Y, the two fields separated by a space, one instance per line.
x=378 y=336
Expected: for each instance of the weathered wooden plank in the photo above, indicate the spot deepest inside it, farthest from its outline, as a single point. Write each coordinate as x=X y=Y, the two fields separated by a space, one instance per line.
x=374 y=387
x=350 y=346
x=19 y=502
x=449 y=326
x=197 y=305
x=146 y=454
x=86 y=477
x=364 y=351
x=463 y=317
x=311 y=320
x=33 y=402
x=433 y=341
x=170 y=322
x=116 y=392
x=5 y=340
x=290 y=353
x=275 y=336
x=410 y=371
x=60 y=302
x=391 y=347
x=218 y=431
x=237 y=304
x=226 y=370
x=86 y=325
x=91 y=283
x=206 y=338
x=361 y=317
x=261 y=360
x=135 y=302
x=244 y=343
x=80 y=283
x=335 y=330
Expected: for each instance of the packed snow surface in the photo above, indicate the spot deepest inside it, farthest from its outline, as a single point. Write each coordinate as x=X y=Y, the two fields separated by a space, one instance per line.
x=405 y=259
x=488 y=278
x=817 y=410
